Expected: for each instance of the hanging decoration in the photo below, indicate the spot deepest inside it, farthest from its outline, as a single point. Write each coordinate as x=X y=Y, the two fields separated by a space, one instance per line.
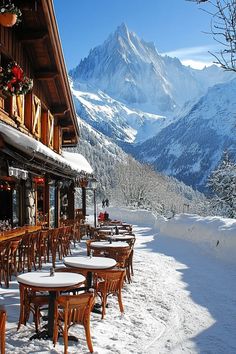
x=10 y=15
x=13 y=80
x=39 y=180
x=4 y=186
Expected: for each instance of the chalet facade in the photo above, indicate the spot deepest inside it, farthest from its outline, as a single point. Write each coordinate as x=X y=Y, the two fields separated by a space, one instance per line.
x=36 y=181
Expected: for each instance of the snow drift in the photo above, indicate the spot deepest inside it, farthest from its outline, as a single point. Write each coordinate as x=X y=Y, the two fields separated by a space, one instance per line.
x=216 y=236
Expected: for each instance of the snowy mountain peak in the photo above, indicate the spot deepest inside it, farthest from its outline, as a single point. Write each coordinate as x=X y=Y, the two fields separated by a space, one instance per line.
x=122 y=30
x=130 y=70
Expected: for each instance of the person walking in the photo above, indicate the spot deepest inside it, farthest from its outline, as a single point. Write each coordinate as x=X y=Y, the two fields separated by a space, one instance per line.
x=107 y=202
x=103 y=203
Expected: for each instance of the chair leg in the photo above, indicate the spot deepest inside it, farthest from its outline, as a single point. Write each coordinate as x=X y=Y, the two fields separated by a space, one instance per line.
x=88 y=336
x=55 y=327
x=22 y=311
x=120 y=302
x=104 y=302
x=3 y=331
x=65 y=332
x=36 y=318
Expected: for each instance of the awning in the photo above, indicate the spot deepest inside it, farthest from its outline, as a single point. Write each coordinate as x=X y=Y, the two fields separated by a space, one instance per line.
x=36 y=150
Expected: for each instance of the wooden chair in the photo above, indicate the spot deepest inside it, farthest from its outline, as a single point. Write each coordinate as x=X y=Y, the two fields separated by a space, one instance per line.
x=82 y=271
x=122 y=257
x=33 y=302
x=3 y=317
x=9 y=260
x=109 y=282
x=64 y=238
x=70 y=310
x=28 y=251
x=41 y=251
x=4 y=252
x=53 y=240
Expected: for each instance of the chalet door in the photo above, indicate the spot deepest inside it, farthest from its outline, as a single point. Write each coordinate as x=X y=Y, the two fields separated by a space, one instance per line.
x=5 y=205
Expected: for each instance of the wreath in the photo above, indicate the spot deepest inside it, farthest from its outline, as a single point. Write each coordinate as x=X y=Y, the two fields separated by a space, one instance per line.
x=13 y=81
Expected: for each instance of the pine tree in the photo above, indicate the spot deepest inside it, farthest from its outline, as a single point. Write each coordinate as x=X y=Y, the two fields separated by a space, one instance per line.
x=223 y=184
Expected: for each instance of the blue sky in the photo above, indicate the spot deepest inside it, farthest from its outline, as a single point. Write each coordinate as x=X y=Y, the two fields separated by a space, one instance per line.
x=175 y=26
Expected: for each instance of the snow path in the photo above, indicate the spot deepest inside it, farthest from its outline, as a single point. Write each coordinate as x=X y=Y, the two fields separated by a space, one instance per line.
x=180 y=301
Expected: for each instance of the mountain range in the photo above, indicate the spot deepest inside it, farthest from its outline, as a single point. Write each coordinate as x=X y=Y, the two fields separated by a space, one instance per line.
x=155 y=107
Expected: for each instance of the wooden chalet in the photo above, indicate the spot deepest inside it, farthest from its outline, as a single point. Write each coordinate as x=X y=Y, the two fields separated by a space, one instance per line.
x=36 y=181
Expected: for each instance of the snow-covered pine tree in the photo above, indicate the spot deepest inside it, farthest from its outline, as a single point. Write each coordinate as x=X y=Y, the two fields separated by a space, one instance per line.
x=223 y=183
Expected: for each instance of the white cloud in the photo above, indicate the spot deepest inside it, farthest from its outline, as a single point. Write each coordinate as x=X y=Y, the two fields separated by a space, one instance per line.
x=196 y=64
x=196 y=57
x=182 y=53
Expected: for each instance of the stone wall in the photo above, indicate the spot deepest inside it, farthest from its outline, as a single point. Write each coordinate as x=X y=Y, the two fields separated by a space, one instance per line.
x=30 y=199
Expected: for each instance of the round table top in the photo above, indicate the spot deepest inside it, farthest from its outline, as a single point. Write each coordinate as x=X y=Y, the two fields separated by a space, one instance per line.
x=90 y=263
x=109 y=227
x=120 y=237
x=105 y=231
x=105 y=244
x=108 y=231
x=44 y=280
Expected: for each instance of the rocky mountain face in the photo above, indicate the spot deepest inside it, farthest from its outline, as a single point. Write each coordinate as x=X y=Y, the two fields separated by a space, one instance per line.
x=146 y=103
x=191 y=148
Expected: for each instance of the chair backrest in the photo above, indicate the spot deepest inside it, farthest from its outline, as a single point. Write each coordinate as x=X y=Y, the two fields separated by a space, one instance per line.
x=77 y=308
x=14 y=246
x=4 y=249
x=113 y=279
x=82 y=271
x=121 y=255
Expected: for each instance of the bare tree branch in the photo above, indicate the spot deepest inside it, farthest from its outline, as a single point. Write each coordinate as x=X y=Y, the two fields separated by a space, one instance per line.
x=223 y=30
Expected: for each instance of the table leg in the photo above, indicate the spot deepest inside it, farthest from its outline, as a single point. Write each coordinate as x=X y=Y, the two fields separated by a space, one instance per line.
x=96 y=307
x=52 y=297
x=48 y=332
x=89 y=279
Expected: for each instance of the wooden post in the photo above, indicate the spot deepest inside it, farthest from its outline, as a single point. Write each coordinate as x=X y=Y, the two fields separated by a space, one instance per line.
x=71 y=201
x=84 y=201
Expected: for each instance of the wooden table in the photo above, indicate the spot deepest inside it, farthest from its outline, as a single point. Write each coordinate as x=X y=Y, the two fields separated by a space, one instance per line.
x=91 y=264
x=106 y=244
x=14 y=233
x=112 y=230
x=120 y=237
x=42 y=281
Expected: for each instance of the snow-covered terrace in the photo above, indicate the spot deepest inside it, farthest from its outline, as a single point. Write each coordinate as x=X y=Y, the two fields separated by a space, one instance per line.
x=181 y=300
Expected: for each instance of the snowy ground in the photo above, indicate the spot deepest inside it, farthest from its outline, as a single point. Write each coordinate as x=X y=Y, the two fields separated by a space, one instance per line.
x=182 y=300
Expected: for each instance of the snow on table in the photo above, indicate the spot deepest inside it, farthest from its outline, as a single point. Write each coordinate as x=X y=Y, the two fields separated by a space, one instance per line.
x=105 y=244
x=90 y=262
x=43 y=279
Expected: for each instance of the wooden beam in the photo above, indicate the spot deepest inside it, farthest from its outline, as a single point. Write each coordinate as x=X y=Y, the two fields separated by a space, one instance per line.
x=46 y=75
x=31 y=35
x=59 y=110
x=68 y=127
x=26 y=5
x=2 y=142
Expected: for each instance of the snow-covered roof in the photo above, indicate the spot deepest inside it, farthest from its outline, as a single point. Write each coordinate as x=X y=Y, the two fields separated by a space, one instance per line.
x=78 y=161
x=31 y=146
